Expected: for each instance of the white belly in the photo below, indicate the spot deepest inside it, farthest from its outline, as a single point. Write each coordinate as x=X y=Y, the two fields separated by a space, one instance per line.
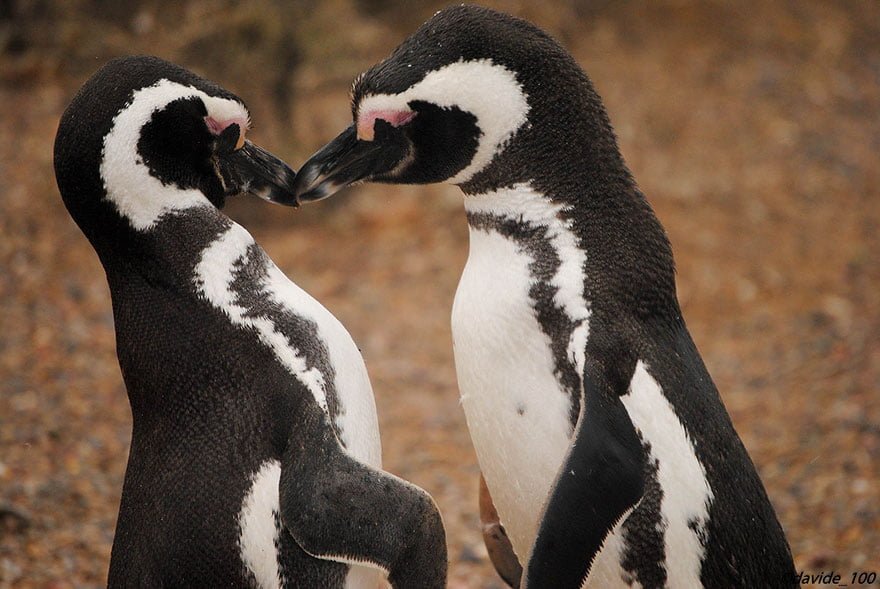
x=518 y=413
x=516 y=410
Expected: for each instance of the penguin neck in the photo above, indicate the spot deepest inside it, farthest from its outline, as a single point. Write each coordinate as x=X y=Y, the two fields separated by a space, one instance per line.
x=519 y=202
x=612 y=237
x=565 y=164
x=165 y=253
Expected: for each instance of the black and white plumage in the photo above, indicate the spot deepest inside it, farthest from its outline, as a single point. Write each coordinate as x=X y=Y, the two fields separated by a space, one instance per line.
x=603 y=442
x=255 y=457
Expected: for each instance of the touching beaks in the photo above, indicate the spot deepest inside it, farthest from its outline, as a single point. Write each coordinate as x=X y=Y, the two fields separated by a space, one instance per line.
x=254 y=170
x=348 y=159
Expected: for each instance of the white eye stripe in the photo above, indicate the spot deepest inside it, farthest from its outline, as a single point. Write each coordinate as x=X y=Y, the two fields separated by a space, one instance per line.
x=137 y=195
x=488 y=91
x=224 y=109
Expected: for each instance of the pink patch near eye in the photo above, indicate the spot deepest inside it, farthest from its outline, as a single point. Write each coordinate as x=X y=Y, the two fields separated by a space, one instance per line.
x=216 y=127
x=367 y=121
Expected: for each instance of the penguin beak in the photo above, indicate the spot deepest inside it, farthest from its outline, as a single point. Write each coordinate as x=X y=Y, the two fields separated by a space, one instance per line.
x=253 y=170
x=347 y=160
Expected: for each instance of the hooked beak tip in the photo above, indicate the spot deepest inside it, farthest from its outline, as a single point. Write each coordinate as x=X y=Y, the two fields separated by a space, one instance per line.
x=319 y=193
x=279 y=192
x=311 y=185
x=272 y=196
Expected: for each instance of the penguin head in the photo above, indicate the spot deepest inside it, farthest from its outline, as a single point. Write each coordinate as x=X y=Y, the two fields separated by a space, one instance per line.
x=460 y=101
x=144 y=138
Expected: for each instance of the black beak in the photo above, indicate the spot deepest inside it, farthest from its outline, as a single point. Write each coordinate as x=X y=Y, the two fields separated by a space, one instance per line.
x=254 y=170
x=347 y=160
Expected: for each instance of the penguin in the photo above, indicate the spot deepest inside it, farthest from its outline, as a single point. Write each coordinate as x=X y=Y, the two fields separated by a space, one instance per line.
x=255 y=457
x=604 y=444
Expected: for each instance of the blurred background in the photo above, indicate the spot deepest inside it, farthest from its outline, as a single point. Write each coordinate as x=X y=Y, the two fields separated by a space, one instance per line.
x=753 y=128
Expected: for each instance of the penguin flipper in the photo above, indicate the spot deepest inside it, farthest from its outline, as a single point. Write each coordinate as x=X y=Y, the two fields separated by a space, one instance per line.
x=338 y=508
x=602 y=478
x=495 y=538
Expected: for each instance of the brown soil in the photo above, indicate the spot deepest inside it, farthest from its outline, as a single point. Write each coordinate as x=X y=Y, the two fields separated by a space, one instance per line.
x=753 y=129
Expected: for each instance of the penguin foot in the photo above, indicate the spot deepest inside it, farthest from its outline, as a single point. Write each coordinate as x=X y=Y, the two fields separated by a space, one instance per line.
x=495 y=538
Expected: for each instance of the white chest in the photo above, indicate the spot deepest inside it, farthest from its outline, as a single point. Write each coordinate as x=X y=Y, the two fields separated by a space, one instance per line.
x=516 y=410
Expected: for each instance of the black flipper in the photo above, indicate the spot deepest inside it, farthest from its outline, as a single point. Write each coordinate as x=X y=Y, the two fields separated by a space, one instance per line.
x=340 y=509
x=602 y=477
x=495 y=538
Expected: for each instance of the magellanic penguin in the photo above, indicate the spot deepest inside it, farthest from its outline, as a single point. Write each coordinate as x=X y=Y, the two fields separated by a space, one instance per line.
x=604 y=444
x=255 y=456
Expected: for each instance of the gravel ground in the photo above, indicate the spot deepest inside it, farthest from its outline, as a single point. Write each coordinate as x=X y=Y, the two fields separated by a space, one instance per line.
x=753 y=128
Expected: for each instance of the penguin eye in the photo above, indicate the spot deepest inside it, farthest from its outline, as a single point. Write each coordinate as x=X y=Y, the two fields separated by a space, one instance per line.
x=230 y=139
x=230 y=133
x=395 y=117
